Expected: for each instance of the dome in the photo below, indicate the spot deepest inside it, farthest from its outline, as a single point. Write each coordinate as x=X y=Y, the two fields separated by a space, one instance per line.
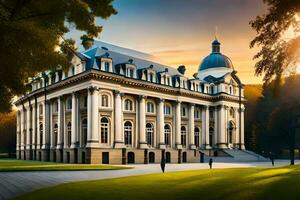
x=215 y=59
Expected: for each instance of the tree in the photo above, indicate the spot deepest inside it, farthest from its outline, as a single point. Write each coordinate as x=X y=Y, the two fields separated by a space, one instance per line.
x=32 y=30
x=8 y=133
x=277 y=54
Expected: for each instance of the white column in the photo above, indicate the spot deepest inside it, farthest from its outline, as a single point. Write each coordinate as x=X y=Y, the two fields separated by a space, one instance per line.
x=59 y=123
x=34 y=125
x=28 y=128
x=38 y=127
x=119 y=141
x=161 y=124
x=242 y=129
x=51 y=125
x=18 y=132
x=44 y=126
x=73 y=121
x=221 y=137
x=205 y=127
x=142 y=122
x=178 y=125
x=237 y=129
x=22 y=129
x=56 y=77
x=93 y=119
x=216 y=127
x=192 y=126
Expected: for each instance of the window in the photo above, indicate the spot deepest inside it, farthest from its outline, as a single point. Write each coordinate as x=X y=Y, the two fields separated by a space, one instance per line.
x=183 y=136
x=167 y=131
x=55 y=134
x=197 y=114
x=231 y=112
x=150 y=107
x=69 y=104
x=167 y=110
x=85 y=102
x=197 y=136
x=84 y=132
x=69 y=134
x=168 y=83
x=128 y=133
x=41 y=135
x=183 y=84
x=150 y=134
x=106 y=66
x=130 y=72
x=55 y=107
x=230 y=90
x=128 y=105
x=151 y=77
x=184 y=111
x=73 y=70
x=212 y=89
x=104 y=130
x=41 y=109
x=104 y=100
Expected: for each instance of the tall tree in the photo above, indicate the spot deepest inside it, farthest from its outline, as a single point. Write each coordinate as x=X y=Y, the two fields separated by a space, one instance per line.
x=31 y=32
x=277 y=54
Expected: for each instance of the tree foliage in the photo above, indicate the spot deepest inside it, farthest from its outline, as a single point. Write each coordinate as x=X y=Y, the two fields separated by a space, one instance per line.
x=277 y=54
x=274 y=117
x=31 y=32
x=8 y=133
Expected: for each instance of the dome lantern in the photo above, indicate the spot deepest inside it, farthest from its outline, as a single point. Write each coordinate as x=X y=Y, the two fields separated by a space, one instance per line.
x=216 y=46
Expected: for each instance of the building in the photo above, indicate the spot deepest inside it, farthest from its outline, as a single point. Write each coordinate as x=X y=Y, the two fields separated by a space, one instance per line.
x=116 y=105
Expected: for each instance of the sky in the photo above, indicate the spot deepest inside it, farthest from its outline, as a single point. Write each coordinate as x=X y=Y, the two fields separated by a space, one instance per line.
x=180 y=32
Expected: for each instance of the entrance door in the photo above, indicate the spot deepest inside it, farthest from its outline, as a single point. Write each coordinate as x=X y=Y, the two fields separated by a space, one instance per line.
x=130 y=158
x=168 y=157
x=184 y=157
x=83 y=157
x=54 y=156
x=151 y=157
x=68 y=157
x=105 y=157
x=75 y=155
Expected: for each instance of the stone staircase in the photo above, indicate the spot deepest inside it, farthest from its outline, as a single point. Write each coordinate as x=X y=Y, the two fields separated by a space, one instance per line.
x=244 y=155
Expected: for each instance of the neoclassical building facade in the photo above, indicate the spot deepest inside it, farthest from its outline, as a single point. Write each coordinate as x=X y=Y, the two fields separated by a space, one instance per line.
x=118 y=106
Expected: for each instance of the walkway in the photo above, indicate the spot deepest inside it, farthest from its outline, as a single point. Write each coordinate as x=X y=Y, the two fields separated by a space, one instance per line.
x=13 y=184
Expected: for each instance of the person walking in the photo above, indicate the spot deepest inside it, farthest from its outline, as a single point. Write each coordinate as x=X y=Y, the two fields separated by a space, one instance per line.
x=163 y=164
x=210 y=163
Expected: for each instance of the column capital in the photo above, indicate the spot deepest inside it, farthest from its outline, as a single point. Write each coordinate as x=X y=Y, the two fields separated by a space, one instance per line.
x=142 y=97
x=91 y=89
x=192 y=104
x=118 y=93
x=206 y=107
x=160 y=100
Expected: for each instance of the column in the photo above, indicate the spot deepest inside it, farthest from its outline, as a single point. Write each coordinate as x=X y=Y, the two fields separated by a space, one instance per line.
x=237 y=129
x=59 y=123
x=205 y=127
x=18 y=133
x=28 y=129
x=142 y=122
x=38 y=127
x=56 y=77
x=216 y=127
x=242 y=129
x=161 y=123
x=178 y=125
x=44 y=126
x=221 y=137
x=73 y=121
x=51 y=125
x=22 y=129
x=34 y=126
x=192 y=126
x=119 y=141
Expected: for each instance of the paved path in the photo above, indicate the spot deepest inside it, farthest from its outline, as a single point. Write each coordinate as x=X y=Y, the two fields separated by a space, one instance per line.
x=13 y=184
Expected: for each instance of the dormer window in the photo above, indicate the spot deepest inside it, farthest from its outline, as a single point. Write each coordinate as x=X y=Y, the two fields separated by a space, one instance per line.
x=151 y=77
x=106 y=66
x=73 y=70
x=168 y=83
x=130 y=72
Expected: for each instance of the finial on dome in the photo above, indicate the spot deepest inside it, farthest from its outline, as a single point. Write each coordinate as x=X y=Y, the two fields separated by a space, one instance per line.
x=216 y=44
x=216 y=32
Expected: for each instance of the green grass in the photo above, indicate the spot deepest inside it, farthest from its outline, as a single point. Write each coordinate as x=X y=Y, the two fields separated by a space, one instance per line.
x=22 y=165
x=221 y=184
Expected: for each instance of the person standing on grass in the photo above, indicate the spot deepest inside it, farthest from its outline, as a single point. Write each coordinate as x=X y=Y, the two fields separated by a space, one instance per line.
x=163 y=164
x=210 y=163
x=272 y=158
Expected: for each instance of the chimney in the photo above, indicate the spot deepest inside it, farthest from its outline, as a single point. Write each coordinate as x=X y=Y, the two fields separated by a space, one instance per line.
x=87 y=43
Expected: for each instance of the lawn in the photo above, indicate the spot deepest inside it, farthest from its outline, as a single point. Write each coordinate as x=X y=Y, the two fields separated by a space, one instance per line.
x=22 y=165
x=221 y=184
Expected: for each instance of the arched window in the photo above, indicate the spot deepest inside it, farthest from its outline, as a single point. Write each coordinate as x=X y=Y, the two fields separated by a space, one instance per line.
x=69 y=134
x=104 y=100
x=84 y=132
x=55 y=134
x=167 y=109
x=167 y=131
x=150 y=134
x=231 y=112
x=104 y=130
x=197 y=136
x=183 y=136
x=150 y=107
x=128 y=105
x=128 y=133
x=41 y=134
